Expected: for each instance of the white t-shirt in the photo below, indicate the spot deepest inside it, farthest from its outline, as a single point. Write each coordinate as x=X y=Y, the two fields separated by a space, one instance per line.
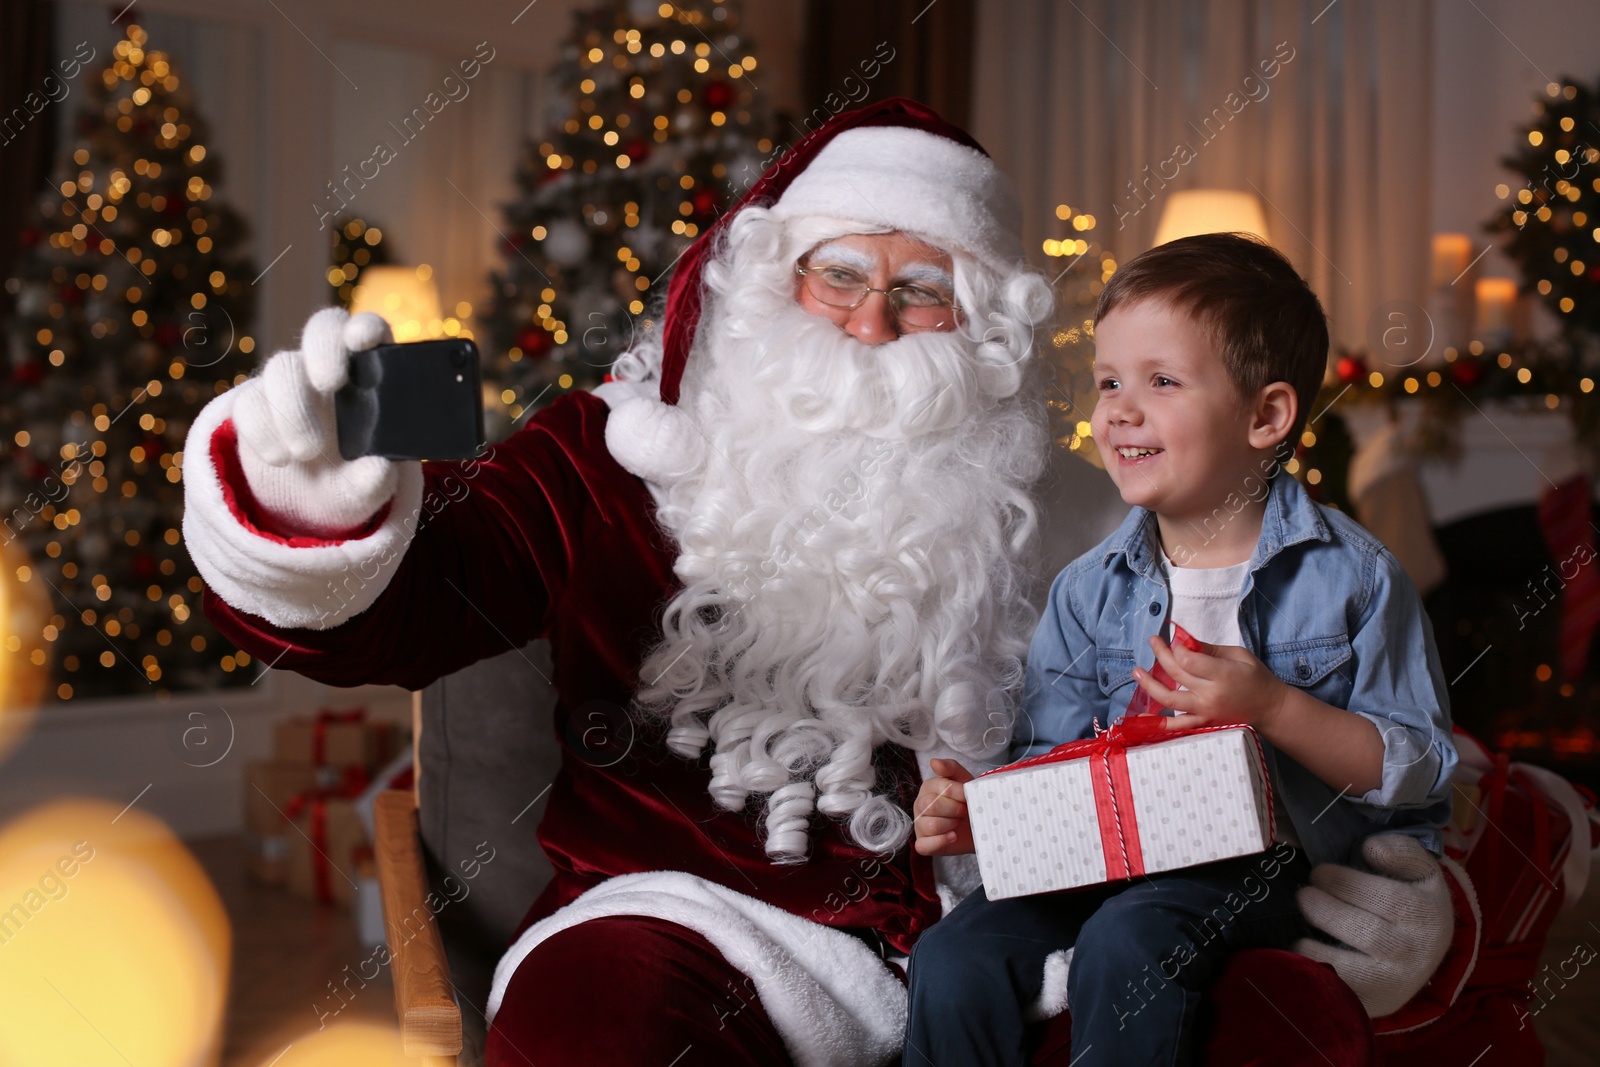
x=1205 y=601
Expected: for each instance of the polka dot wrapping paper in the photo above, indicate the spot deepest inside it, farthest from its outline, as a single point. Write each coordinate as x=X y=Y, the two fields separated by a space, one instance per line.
x=1118 y=806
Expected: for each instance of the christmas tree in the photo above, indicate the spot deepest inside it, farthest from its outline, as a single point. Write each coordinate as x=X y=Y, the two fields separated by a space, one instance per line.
x=133 y=305
x=357 y=245
x=1553 y=219
x=659 y=132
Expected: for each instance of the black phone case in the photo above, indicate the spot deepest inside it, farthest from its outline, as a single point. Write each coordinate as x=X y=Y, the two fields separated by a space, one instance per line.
x=421 y=400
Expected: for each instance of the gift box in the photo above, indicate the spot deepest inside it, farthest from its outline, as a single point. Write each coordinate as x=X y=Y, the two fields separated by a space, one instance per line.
x=337 y=739
x=269 y=787
x=1135 y=800
x=322 y=850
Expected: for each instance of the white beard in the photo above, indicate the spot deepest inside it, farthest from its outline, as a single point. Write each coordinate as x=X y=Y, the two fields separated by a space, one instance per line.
x=853 y=558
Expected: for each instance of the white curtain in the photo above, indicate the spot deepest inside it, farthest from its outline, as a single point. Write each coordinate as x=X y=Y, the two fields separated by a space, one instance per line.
x=1076 y=98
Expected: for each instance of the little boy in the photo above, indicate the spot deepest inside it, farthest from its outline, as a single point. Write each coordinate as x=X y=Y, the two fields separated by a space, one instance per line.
x=1209 y=353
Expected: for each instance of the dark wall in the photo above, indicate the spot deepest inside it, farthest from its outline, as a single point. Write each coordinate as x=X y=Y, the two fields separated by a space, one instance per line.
x=864 y=50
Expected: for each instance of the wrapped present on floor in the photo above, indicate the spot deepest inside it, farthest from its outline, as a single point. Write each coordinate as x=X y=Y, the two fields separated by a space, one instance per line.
x=1133 y=800
x=323 y=845
x=269 y=787
x=337 y=739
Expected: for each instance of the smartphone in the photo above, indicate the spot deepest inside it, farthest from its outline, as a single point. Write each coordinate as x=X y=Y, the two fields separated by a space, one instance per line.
x=421 y=400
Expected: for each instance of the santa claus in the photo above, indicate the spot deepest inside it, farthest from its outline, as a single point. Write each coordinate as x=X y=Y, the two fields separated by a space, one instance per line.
x=783 y=559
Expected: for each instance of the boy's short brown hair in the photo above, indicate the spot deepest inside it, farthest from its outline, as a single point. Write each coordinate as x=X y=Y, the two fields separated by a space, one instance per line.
x=1266 y=322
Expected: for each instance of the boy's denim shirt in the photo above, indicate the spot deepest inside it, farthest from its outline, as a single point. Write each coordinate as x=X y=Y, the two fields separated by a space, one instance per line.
x=1325 y=606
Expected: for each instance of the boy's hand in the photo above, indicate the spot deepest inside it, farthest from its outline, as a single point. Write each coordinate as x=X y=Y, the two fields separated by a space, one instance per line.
x=1225 y=684
x=941 y=824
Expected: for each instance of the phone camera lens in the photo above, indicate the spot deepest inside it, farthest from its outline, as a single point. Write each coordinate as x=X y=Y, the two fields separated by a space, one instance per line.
x=458 y=357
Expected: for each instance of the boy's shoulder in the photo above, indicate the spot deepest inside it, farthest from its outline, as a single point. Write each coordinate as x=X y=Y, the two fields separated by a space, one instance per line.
x=1360 y=562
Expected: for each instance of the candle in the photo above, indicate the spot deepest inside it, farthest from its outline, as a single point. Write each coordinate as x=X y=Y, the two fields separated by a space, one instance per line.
x=1496 y=298
x=1452 y=252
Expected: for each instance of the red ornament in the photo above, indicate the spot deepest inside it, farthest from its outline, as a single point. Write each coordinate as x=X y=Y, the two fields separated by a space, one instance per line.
x=29 y=373
x=534 y=342
x=718 y=95
x=1350 y=369
x=637 y=151
x=144 y=566
x=70 y=294
x=30 y=236
x=512 y=245
x=1466 y=372
x=172 y=207
x=167 y=334
x=705 y=201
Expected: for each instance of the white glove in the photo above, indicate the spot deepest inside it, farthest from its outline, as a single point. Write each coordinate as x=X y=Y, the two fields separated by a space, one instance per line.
x=1397 y=923
x=288 y=442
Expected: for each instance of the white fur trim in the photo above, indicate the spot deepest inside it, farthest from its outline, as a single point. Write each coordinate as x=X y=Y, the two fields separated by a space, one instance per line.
x=833 y=1001
x=288 y=586
x=917 y=182
x=1053 y=997
x=654 y=440
x=616 y=391
x=1575 y=864
x=1459 y=873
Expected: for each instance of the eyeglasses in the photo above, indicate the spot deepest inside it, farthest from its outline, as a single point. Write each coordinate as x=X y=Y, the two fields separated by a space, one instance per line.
x=914 y=307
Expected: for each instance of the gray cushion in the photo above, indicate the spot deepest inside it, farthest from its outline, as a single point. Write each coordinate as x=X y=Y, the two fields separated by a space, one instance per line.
x=488 y=752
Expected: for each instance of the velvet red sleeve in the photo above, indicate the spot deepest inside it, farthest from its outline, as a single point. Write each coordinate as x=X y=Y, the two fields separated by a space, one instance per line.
x=495 y=547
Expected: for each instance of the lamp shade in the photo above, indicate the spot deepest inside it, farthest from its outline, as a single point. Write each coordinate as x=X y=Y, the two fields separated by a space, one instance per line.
x=406 y=297
x=1196 y=211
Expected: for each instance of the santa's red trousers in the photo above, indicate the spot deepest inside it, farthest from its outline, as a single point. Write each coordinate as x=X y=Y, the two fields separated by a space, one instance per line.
x=635 y=990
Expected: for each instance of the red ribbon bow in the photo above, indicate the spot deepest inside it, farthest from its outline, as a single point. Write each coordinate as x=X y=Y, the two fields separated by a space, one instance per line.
x=319 y=729
x=313 y=803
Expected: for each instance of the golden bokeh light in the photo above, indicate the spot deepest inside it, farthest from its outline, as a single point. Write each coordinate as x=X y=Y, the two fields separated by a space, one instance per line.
x=114 y=946
x=24 y=613
x=344 y=1045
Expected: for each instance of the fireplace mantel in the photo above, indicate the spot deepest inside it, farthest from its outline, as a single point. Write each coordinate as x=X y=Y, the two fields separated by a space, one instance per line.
x=1510 y=454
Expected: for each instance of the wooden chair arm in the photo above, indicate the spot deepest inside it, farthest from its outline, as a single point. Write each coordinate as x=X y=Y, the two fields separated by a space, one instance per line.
x=424 y=998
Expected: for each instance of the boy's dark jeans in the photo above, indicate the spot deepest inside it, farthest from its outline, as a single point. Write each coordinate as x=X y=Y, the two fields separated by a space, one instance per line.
x=1145 y=953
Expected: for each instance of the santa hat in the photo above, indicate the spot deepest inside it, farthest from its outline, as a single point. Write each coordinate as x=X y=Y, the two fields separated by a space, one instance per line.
x=892 y=165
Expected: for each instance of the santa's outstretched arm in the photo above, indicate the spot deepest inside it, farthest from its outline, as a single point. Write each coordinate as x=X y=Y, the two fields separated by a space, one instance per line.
x=367 y=571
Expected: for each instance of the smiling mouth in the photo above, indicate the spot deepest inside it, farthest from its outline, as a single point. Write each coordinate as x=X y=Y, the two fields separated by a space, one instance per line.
x=1139 y=453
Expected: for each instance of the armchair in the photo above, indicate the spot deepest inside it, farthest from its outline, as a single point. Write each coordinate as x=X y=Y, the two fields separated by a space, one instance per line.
x=460 y=864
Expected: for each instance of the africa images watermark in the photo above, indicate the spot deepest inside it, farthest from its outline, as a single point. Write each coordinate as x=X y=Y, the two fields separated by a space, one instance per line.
x=368 y=569
x=53 y=887
x=344 y=189
x=407 y=928
x=1143 y=193
x=33 y=505
x=55 y=90
x=1252 y=890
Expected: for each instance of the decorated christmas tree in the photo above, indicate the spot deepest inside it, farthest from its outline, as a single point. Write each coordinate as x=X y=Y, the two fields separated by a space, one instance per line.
x=357 y=245
x=658 y=131
x=1552 y=217
x=133 y=305
x=1083 y=266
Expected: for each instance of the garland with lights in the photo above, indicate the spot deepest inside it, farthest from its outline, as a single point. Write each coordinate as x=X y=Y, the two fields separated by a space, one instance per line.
x=133 y=304
x=662 y=134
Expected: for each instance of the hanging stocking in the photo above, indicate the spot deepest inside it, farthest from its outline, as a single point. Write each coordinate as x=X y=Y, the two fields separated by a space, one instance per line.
x=1564 y=515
